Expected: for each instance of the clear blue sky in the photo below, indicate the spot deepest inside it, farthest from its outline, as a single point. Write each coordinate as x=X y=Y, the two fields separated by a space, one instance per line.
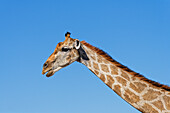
x=134 y=32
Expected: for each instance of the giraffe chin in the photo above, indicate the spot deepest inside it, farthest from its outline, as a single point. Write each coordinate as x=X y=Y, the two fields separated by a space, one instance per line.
x=51 y=72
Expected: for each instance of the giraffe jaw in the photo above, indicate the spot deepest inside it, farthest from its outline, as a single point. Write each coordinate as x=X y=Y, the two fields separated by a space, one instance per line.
x=52 y=71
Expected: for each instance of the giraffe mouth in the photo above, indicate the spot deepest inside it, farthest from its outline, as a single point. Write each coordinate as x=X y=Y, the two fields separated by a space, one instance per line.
x=52 y=71
x=49 y=73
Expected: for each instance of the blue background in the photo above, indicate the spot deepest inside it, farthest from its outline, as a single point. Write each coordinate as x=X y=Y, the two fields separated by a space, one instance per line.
x=134 y=32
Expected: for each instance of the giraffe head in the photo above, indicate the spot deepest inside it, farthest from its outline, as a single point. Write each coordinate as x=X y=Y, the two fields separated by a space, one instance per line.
x=64 y=54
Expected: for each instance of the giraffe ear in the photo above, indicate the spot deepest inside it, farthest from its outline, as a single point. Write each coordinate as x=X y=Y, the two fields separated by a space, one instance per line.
x=77 y=44
x=82 y=54
x=81 y=51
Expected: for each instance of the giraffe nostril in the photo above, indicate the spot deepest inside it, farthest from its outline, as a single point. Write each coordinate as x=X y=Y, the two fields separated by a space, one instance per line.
x=45 y=65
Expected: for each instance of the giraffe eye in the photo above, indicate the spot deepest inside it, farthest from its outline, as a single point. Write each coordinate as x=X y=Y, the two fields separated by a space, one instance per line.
x=65 y=49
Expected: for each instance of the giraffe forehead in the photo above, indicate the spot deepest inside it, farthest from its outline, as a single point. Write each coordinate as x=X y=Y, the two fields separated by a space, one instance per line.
x=68 y=42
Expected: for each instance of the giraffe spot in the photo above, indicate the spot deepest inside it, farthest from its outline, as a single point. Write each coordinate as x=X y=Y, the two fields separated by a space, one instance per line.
x=137 y=86
x=133 y=78
x=74 y=53
x=96 y=72
x=89 y=64
x=121 y=80
x=95 y=65
x=105 y=61
x=167 y=101
x=159 y=105
x=148 y=108
x=131 y=97
x=93 y=58
x=114 y=70
x=125 y=75
x=68 y=58
x=117 y=89
x=104 y=68
x=110 y=81
x=99 y=59
x=102 y=77
x=151 y=94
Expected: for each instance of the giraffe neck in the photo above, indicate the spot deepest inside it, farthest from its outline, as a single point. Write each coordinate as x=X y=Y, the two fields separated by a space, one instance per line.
x=135 y=90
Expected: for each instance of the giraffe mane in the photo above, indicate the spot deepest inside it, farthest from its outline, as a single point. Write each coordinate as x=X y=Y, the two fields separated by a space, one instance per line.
x=138 y=75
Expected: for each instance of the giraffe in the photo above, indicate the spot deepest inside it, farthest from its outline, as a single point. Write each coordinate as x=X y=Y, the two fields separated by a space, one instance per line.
x=143 y=94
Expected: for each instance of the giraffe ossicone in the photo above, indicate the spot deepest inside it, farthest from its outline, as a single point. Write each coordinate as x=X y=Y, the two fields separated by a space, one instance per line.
x=143 y=94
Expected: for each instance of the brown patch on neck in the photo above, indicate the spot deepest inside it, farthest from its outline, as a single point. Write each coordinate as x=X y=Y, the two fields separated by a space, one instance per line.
x=109 y=58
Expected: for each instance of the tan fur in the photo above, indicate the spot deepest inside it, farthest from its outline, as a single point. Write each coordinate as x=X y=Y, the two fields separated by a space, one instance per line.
x=143 y=94
x=109 y=58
